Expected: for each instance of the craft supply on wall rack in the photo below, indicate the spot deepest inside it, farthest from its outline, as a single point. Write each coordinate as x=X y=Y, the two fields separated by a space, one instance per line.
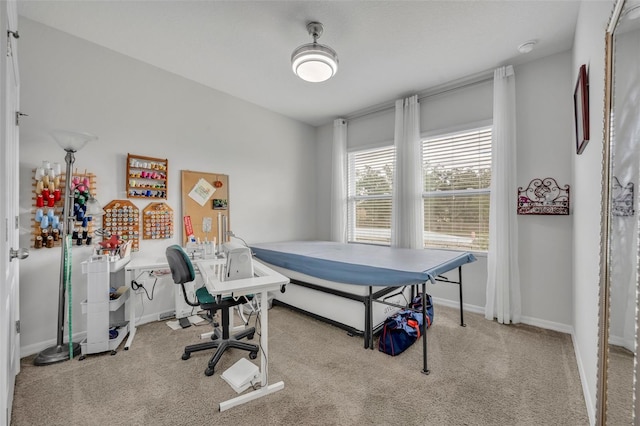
x=48 y=201
x=157 y=221
x=122 y=218
x=147 y=177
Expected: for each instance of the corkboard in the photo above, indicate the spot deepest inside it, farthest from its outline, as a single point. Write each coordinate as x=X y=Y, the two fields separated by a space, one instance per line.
x=199 y=213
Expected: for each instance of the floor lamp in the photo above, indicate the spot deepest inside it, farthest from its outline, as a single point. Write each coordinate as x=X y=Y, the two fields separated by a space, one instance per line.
x=71 y=142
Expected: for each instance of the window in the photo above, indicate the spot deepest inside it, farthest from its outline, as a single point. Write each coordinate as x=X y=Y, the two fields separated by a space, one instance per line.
x=457 y=175
x=370 y=178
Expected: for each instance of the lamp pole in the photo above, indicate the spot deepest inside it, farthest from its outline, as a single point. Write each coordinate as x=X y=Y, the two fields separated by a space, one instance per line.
x=61 y=352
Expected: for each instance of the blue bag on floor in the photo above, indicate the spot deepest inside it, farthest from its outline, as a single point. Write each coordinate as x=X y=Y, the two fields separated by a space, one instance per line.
x=403 y=328
x=416 y=303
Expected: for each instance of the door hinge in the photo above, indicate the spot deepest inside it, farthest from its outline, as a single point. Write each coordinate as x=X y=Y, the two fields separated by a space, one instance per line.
x=18 y=115
x=18 y=327
x=17 y=222
x=16 y=36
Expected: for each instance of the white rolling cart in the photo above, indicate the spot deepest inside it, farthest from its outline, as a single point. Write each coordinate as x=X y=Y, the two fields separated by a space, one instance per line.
x=103 y=313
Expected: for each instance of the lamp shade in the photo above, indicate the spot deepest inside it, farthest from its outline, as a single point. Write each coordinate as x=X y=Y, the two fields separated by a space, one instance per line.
x=72 y=141
x=314 y=62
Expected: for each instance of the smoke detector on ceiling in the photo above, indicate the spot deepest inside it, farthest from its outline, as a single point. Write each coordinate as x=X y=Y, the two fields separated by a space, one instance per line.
x=527 y=46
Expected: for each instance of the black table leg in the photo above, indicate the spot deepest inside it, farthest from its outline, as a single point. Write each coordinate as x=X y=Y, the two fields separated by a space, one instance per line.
x=425 y=370
x=461 y=309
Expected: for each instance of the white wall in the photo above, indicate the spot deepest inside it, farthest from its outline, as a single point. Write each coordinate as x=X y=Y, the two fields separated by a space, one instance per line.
x=544 y=130
x=589 y=49
x=135 y=108
x=544 y=149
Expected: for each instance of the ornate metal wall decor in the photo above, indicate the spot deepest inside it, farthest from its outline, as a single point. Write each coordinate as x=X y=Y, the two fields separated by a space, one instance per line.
x=543 y=196
x=622 y=198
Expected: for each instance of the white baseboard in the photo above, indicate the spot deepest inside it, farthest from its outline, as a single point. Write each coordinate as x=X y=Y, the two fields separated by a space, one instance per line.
x=456 y=305
x=549 y=325
x=583 y=380
x=536 y=322
x=40 y=346
x=35 y=348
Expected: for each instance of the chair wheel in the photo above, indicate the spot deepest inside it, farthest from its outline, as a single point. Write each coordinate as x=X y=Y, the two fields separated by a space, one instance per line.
x=186 y=356
x=214 y=337
x=82 y=357
x=208 y=371
x=253 y=355
x=250 y=337
x=113 y=353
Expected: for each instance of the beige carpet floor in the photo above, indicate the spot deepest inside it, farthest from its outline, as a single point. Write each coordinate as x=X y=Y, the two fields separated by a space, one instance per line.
x=482 y=374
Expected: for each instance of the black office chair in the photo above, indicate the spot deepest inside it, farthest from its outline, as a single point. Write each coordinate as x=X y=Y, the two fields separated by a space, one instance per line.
x=183 y=272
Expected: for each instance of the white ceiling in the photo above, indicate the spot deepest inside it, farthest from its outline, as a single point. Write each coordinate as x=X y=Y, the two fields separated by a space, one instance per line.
x=386 y=49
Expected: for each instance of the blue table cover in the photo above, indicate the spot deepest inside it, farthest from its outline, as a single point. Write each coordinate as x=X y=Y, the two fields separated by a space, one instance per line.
x=361 y=264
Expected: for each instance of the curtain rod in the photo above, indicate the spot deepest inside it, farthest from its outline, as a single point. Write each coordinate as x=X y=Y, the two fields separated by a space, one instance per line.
x=434 y=91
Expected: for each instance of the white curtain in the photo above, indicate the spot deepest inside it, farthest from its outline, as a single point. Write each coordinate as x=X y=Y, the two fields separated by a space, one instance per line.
x=339 y=182
x=503 y=277
x=407 y=218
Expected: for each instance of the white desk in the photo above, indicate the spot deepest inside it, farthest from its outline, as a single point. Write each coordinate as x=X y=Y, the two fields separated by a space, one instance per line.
x=139 y=265
x=136 y=266
x=265 y=280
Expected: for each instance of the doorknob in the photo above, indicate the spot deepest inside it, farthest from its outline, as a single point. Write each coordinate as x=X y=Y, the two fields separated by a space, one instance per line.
x=22 y=253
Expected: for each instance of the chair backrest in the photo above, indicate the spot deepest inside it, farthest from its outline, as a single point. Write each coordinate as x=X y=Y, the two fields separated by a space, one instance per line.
x=181 y=267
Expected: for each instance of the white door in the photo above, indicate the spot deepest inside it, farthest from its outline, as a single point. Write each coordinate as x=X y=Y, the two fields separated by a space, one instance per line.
x=10 y=252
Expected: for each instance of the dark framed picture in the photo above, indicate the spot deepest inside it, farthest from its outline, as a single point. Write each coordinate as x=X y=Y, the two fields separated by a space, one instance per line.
x=220 y=204
x=581 y=109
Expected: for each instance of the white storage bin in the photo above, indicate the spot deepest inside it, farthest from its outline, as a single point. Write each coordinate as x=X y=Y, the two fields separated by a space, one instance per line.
x=97 y=270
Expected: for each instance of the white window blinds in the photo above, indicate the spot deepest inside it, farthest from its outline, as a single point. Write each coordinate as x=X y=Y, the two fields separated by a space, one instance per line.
x=457 y=175
x=370 y=183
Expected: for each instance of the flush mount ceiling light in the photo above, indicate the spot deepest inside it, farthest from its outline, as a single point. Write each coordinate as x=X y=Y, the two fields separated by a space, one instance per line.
x=314 y=62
